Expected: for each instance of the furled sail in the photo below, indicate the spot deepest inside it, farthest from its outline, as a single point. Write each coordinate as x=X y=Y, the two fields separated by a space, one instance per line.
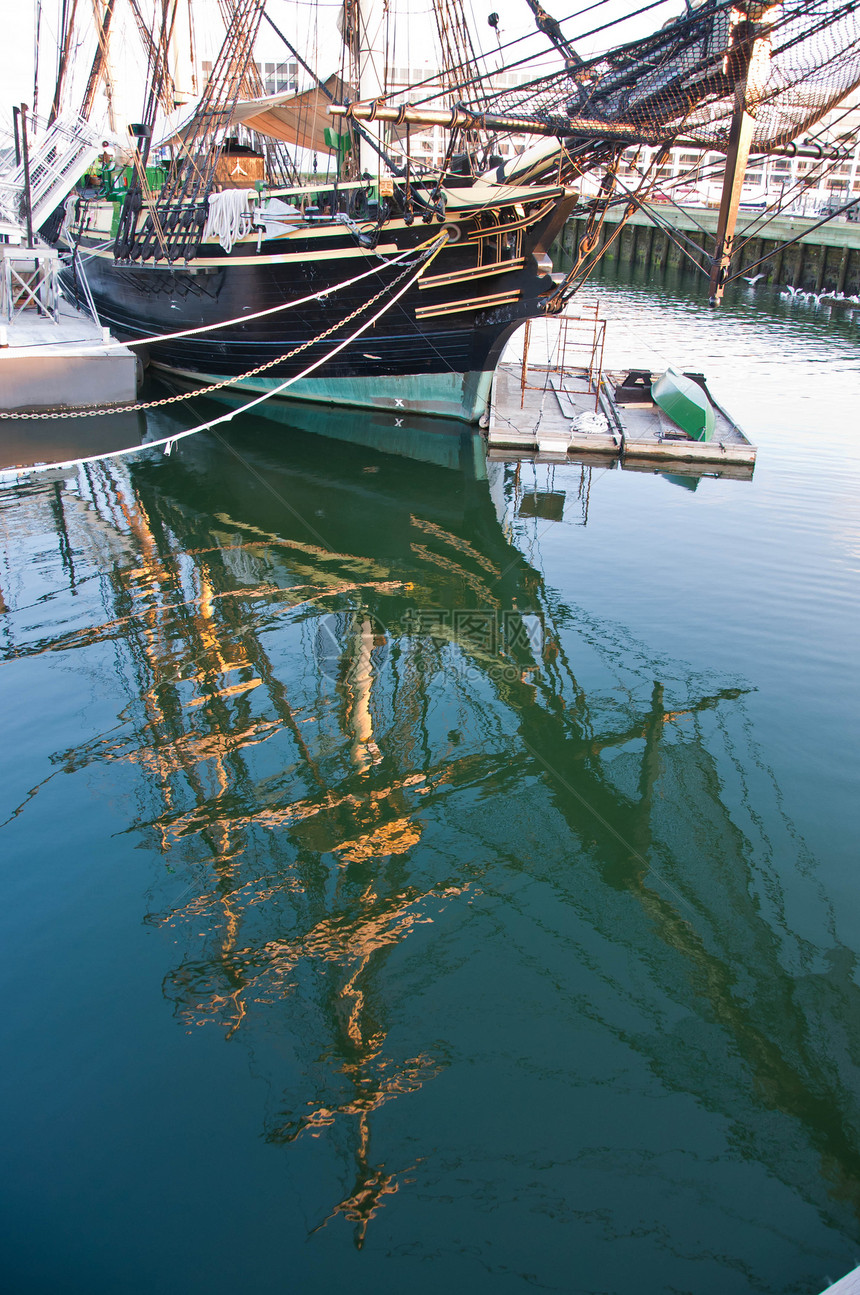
x=295 y=118
x=299 y=119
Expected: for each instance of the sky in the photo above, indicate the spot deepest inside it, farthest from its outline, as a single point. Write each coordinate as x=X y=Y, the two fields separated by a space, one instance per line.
x=311 y=26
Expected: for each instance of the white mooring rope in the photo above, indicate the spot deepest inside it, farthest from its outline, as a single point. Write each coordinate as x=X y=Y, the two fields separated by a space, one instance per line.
x=140 y=405
x=11 y=475
x=271 y=310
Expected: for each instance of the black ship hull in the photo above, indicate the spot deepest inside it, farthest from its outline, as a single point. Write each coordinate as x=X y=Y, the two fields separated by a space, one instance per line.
x=433 y=351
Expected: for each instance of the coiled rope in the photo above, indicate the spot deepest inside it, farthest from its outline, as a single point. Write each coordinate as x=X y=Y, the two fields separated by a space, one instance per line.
x=229 y=216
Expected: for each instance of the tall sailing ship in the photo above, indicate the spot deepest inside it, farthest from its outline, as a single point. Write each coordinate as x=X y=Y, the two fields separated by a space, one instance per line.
x=396 y=284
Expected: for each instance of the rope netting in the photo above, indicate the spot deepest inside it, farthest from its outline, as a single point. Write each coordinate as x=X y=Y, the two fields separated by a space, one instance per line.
x=792 y=62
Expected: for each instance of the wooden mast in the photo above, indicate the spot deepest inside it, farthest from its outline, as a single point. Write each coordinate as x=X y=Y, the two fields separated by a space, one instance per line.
x=99 y=68
x=747 y=58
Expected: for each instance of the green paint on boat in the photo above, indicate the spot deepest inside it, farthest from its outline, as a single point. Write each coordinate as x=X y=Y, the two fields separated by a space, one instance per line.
x=686 y=403
x=439 y=395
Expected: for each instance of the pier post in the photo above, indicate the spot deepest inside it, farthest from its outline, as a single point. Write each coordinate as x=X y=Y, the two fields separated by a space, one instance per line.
x=615 y=250
x=649 y=247
x=798 y=266
x=706 y=253
x=777 y=272
x=664 y=253
x=822 y=268
x=842 y=272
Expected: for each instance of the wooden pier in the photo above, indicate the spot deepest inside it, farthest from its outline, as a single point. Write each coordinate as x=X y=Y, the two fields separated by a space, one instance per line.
x=826 y=259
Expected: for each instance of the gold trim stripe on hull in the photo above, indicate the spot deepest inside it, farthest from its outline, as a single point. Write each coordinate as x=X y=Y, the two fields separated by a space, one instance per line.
x=476 y=303
x=463 y=276
x=491 y=231
x=280 y=258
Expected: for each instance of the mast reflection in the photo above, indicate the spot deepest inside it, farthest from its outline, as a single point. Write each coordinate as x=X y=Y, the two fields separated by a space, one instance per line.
x=343 y=689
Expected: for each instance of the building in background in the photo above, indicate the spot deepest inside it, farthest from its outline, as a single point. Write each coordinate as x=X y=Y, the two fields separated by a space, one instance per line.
x=800 y=185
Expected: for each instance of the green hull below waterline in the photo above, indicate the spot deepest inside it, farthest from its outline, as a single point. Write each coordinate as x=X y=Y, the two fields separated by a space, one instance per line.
x=440 y=395
x=686 y=403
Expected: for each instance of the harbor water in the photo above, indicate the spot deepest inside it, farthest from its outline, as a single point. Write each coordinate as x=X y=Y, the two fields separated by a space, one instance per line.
x=422 y=873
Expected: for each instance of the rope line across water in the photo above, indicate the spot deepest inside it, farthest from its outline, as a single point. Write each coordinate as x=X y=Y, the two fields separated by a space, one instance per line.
x=15 y=474
x=240 y=377
x=274 y=310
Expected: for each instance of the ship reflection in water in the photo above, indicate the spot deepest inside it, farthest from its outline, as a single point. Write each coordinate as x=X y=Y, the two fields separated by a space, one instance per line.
x=390 y=779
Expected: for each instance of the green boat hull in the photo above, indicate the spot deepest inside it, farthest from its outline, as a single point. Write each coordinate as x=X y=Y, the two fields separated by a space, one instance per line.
x=686 y=403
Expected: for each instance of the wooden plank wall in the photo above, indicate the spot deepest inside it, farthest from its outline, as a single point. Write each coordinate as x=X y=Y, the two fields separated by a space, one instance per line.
x=827 y=260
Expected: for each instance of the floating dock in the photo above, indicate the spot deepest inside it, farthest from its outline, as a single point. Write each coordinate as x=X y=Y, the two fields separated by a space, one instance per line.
x=557 y=414
x=62 y=365
x=572 y=407
x=54 y=361
x=848 y=1285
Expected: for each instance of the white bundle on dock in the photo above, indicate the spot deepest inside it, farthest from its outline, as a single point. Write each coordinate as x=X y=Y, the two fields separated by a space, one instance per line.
x=590 y=421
